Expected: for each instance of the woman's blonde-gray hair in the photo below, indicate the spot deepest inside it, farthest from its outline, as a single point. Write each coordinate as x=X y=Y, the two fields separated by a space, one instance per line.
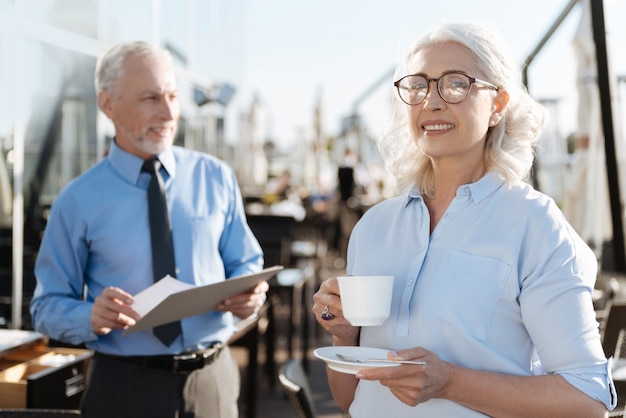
x=509 y=147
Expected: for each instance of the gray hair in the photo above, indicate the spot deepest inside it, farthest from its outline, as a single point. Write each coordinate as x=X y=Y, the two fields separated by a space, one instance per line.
x=109 y=67
x=509 y=147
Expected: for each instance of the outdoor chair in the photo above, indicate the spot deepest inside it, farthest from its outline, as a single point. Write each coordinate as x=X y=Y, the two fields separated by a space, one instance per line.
x=295 y=383
x=612 y=343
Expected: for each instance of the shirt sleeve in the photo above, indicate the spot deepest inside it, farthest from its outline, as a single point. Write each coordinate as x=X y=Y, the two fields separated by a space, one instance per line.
x=241 y=252
x=560 y=274
x=59 y=270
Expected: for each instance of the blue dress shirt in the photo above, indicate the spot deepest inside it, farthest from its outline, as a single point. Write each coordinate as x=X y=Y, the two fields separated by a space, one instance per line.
x=502 y=284
x=98 y=236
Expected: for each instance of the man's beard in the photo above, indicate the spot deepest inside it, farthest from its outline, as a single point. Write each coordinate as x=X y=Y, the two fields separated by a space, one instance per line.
x=154 y=148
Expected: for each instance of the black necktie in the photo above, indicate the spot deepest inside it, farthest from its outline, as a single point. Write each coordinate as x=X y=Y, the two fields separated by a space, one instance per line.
x=161 y=240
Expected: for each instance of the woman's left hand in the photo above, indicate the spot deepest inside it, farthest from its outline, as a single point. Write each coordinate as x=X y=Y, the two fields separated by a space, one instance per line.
x=413 y=384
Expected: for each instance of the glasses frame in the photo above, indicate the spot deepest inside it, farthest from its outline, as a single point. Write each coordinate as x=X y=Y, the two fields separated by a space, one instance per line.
x=472 y=80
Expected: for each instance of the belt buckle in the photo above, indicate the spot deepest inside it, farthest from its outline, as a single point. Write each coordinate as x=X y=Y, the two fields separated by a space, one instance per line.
x=188 y=362
x=210 y=353
x=185 y=363
x=185 y=356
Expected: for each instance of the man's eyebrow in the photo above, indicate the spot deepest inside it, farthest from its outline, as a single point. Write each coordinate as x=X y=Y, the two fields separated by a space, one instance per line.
x=158 y=91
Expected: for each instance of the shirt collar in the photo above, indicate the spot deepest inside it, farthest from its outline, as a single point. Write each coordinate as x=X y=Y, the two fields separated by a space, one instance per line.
x=168 y=161
x=129 y=165
x=488 y=184
x=414 y=193
x=478 y=190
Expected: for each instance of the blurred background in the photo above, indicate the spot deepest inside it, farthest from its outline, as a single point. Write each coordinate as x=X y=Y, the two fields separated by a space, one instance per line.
x=293 y=95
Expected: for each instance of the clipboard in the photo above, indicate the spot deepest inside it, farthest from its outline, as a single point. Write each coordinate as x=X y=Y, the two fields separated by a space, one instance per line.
x=198 y=300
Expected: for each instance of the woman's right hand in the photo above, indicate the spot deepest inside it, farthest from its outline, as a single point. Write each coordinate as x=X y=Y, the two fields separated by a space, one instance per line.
x=328 y=297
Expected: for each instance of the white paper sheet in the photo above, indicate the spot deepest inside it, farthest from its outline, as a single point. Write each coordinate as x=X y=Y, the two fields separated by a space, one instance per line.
x=173 y=301
x=149 y=298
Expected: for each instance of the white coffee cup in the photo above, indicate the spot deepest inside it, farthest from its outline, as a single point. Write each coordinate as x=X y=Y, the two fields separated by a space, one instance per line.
x=366 y=300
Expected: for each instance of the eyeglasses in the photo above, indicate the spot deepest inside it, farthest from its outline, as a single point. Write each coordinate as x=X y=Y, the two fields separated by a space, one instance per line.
x=453 y=87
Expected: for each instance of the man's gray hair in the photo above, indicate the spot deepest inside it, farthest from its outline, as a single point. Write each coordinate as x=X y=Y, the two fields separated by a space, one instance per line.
x=109 y=67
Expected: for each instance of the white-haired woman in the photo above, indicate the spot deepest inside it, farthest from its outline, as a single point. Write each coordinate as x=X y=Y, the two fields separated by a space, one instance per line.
x=492 y=286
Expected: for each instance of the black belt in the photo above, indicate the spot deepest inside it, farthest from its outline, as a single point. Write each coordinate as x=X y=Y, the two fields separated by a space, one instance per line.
x=179 y=363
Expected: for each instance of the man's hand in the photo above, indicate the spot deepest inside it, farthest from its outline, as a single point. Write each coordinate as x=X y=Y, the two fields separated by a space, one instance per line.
x=246 y=304
x=111 y=310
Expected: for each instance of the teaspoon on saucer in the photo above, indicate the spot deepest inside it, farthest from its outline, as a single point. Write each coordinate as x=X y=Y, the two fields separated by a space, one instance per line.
x=377 y=360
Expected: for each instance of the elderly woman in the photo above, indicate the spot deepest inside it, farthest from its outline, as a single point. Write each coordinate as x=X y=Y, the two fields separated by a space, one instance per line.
x=492 y=285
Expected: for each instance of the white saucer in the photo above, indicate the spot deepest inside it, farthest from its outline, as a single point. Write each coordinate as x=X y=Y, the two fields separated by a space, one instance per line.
x=328 y=355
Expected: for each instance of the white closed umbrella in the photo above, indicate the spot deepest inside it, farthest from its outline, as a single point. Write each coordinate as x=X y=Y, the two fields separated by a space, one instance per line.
x=586 y=203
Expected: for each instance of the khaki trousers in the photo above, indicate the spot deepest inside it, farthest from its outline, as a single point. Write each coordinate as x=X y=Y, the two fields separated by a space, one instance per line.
x=116 y=388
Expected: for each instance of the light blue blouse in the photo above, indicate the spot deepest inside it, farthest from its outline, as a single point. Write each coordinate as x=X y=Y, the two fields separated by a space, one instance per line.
x=502 y=281
x=98 y=235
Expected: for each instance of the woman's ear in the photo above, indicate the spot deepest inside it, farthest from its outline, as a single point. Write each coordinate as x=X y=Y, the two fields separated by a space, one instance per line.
x=502 y=100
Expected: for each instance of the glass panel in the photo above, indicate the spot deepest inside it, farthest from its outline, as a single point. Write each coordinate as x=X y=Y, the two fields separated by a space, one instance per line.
x=6 y=125
x=60 y=140
x=219 y=41
x=174 y=29
x=77 y=16
x=123 y=20
x=6 y=82
x=6 y=6
x=203 y=42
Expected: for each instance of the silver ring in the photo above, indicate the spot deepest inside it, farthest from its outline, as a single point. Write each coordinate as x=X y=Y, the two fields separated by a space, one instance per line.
x=326 y=315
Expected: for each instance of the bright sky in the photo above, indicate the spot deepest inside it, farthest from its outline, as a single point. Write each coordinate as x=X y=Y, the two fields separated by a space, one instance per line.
x=295 y=51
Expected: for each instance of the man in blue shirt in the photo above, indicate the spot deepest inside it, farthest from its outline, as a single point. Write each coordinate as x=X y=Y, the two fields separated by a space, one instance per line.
x=96 y=254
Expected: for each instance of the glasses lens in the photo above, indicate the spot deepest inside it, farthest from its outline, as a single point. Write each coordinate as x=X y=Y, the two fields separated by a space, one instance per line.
x=454 y=87
x=413 y=89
